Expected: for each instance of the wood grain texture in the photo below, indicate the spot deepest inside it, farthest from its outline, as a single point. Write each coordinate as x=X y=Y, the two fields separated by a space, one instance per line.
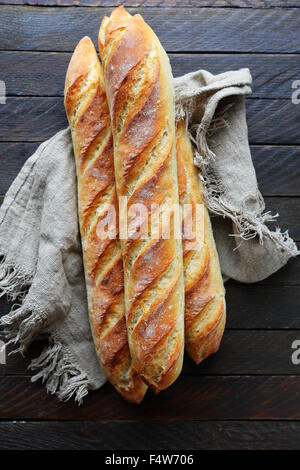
x=13 y=157
x=269 y=121
x=289 y=210
x=277 y=163
x=177 y=435
x=200 y=29
x=264 y=115
x=250 y=352
x=44 y=117
x=270 y=161
x=158 y=3
x=201 y=398
x=273 y=74
x=241 y=352
x=261 y=306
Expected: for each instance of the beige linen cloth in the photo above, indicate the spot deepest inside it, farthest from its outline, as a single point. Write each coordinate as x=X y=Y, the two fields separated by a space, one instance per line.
x=41 y=269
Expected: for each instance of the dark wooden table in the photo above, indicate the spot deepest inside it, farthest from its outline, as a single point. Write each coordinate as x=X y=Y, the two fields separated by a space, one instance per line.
x=247 y=396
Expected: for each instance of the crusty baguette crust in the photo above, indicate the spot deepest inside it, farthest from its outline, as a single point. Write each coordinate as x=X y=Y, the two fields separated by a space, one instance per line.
x=88 y=114
x=140 y=93
x=204 y=291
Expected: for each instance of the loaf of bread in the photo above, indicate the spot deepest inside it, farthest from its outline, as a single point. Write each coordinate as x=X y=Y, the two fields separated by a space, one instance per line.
x=88 y=114
x=139 y=88
x=204 y=291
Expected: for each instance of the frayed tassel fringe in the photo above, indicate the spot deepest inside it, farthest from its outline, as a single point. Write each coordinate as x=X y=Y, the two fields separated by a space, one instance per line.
x=22 y=325
x=13 y=283
x=59 y=375
x=249 y=224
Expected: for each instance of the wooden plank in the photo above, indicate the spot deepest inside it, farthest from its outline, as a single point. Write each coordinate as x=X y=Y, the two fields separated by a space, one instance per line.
x=12 y=157
x=242 y=351
x=269 y=121
x=273 y=121
x=158 y=3
x=177 y=435
x=273 y=74
x=198 y=398
x=289 y=210
x=277 y=169
x=250 y=352
x=200 y=29
x=261 y=306
x=289 y=275
x=31 y=119
x=272 y=163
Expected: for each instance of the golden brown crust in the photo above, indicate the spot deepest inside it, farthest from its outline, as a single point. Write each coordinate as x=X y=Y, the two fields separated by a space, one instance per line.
x=204 y=291
x=88 y=114
x=140 y=94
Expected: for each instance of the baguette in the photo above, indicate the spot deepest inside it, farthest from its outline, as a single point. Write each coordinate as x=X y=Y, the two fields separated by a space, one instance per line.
x=88 y=115
x=139 y=88
x=204 y=290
